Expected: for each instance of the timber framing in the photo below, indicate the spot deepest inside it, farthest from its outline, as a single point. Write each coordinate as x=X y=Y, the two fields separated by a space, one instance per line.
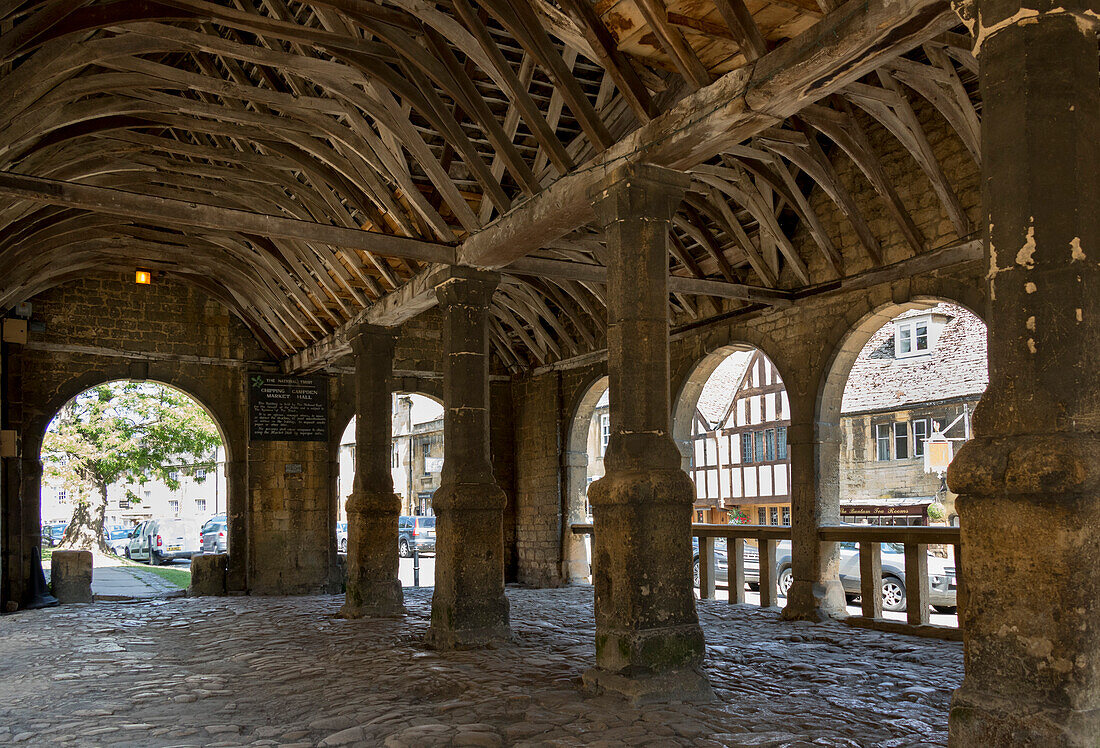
x=311 y=165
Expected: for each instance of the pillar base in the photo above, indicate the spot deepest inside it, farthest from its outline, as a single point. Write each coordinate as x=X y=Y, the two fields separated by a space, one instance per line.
x=375 y=600
x=983 y=719
x=815 y=602
x=469 y=607
x=681 y=684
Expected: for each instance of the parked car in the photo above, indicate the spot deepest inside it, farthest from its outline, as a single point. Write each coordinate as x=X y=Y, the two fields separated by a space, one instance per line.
x=118 y=540
x=52 y=533
x=415 y=534
x=158 y=540
x=214 y=536
x=342 y=536
x=941 y=575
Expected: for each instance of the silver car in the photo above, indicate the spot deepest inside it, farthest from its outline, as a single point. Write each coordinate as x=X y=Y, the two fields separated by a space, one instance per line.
x=215 y=535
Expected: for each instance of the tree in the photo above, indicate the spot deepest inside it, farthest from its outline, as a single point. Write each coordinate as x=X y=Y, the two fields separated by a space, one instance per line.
x=122 y=431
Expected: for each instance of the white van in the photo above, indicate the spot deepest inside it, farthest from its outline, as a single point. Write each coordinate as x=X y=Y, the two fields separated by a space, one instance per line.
x=160 y=540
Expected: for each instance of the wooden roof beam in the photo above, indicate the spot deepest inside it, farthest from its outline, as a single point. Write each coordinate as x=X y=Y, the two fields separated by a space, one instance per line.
x=841 y=48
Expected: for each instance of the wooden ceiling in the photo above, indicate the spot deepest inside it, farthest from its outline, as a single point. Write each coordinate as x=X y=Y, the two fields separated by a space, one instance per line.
x=310 y=163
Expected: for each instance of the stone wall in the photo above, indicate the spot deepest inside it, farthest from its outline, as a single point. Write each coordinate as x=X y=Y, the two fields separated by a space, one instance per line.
x=538 y=425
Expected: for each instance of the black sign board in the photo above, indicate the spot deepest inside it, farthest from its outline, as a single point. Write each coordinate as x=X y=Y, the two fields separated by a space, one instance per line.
x=293 y=409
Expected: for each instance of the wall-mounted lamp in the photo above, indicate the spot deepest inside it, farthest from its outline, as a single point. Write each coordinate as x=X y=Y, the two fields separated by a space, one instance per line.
x=144 y=277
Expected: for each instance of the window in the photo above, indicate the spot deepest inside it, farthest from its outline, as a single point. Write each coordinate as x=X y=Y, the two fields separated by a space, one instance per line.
x=911 y=338
x=174 y=506
x=200 y=506
x=769 y=445
x=174 y=475
x=200 y=473
x=62 y=497
x=605 y=432
x=761 y=516
x=920 y=433
x=758 y=436
x=786 y=515
x=773 y=515
x=746 y=447
x=882 y=437
x=781 y=442
x=395 y=457
x=901 y=441
x=426 y=447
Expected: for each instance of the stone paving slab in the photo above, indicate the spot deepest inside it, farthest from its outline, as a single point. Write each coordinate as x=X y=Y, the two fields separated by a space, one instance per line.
x=128 y=582
x=285 y=671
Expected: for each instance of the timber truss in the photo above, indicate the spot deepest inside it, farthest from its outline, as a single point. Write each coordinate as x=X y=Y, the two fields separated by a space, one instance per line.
x=311 y=164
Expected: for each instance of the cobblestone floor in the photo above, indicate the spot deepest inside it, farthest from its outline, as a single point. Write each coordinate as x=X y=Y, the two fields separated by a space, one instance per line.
x=284 y=671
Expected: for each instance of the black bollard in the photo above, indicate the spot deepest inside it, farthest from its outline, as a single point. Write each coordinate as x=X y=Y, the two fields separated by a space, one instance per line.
x=416 y=568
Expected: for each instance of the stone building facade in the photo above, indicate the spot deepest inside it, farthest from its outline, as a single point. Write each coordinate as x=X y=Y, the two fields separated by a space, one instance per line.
x=895 y=400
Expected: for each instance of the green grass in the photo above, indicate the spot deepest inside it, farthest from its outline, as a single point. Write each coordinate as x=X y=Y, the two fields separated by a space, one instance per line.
x=179 y=577
x=47 y=555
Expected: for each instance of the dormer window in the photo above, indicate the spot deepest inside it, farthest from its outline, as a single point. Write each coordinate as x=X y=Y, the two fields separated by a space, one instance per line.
x=912 y=337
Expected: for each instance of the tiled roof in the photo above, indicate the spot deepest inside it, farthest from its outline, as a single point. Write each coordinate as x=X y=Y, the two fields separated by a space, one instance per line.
x=720 y=389
x=956 y=367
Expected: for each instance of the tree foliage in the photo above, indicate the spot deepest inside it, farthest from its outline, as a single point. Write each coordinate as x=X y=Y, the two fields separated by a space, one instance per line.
x=131 y=432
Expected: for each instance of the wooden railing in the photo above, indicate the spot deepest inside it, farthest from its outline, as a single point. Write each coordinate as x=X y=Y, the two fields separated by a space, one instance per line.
x=915 y=541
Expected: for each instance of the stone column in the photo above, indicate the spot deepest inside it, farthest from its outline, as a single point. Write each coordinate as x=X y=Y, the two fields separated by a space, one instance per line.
x=816 y=593
x=373 y=587
x=649 y=645
x=575 y=566
x=469 y=608
x=238 y=519
x=1029 y=482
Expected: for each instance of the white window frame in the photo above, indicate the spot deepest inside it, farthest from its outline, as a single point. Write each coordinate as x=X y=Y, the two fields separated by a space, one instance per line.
x=200 y=506
x=200 y=473
x=912 y=337
x=174 y=506
x=883 y=435
x=918 y=440
x=605 y=432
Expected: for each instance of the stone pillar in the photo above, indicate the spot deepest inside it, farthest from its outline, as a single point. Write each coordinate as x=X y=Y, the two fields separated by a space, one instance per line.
x=816 y=593
x=71 y=576
x=1029 y=482
x=575 y=566
x=649 y=645
x=469 y=608
x=373 y=586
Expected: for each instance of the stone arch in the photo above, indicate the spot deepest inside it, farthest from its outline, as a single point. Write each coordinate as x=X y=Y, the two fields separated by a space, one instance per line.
x=576 y=561
x=218 y=404
x=344 y=414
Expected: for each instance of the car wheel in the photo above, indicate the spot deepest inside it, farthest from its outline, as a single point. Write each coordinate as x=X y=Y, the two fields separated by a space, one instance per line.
x=343 y=545
x=893 y=594
x=403 y=548
x=786 y=579
x=127 y=552
x=947 y=610
x=695 y=573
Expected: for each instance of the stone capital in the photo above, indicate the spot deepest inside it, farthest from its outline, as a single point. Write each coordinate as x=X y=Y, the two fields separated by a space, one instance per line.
x=464 y=286
x=641 y=191
x=371 y=340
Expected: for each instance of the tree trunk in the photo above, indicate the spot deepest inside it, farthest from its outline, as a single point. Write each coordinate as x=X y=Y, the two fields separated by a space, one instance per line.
x=85 y=530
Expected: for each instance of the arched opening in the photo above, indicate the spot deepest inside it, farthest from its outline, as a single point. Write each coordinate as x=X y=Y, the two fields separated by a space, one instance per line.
x=730 y=421
x=134 y=471
x=582 y=463
x=416 y=463
x=906 y=377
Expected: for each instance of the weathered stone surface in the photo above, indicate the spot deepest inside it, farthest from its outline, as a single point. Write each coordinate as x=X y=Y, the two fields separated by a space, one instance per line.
x=469 y=608
x=208 y=574
x=1030 y=503
x=71 y=576
x=372 y=587
x=287 y=670
x=648 y=641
